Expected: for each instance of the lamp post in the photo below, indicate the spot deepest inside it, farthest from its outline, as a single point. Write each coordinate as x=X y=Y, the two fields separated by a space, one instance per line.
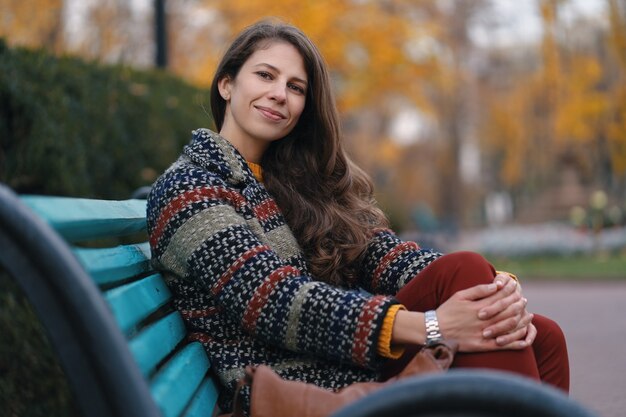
x=160 y=33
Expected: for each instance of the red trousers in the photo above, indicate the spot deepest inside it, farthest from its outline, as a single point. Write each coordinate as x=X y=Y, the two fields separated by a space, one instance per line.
x=545 y=360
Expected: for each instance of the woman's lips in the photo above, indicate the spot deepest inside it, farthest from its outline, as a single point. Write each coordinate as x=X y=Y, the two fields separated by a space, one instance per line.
x=271 y=114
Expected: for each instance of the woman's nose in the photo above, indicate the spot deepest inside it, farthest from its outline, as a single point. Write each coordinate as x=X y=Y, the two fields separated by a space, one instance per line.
x=278 y=92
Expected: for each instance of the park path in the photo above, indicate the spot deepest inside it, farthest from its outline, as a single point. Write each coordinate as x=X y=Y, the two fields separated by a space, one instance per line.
x=593 y=317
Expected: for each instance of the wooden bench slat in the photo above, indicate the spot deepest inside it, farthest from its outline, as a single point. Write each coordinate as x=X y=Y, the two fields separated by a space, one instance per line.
x=79 y=219
x=156 y=341
x=134 y=302
x=110 y=265
x=178 y=380
x=203 y=401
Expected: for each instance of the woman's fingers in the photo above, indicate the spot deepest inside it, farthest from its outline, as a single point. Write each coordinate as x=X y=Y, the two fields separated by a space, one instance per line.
x=525 y=337
x=508 y=320
x=531 y=334
x=458 y=317
x=521 y=337
x=517 y=340
x=516 y=319
x=507 y=324
x=516 y=333
x=477 y=292
x=500 y=301
x=501 y=279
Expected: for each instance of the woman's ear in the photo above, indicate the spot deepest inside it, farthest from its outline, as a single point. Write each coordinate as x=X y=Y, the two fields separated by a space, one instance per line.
x=223 y=85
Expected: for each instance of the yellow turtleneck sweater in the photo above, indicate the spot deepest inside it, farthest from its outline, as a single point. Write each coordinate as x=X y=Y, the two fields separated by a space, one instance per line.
x=256 y=170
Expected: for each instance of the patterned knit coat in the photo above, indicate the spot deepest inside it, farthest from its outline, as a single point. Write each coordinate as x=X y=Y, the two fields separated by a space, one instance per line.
x=243 y=287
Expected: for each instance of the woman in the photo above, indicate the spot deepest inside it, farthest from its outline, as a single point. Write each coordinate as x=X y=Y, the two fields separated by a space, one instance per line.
x=268 y=233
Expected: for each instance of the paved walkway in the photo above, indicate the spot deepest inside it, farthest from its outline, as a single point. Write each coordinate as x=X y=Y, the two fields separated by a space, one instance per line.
x=593 y=317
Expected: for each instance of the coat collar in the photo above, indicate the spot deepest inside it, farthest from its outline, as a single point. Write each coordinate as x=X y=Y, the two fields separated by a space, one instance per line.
x=214 y=153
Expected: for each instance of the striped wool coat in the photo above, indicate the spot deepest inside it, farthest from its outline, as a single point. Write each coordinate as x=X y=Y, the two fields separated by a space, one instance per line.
x=243 y=287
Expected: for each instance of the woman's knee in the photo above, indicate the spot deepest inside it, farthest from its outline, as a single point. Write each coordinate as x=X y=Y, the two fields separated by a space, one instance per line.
x=465 y=258
x=548 y=331
x=467 y=269
x=444 y=277
x=457 y=271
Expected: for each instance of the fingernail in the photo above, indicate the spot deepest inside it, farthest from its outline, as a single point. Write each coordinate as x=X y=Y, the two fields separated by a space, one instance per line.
x=492 y=287
x=482 y=315
x=522 y=344
x=487 y=333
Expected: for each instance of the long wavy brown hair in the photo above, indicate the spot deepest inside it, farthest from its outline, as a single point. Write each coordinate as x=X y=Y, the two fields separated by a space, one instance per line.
x=326 y=199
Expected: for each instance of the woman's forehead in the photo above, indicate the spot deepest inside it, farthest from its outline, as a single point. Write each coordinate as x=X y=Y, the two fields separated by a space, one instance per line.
x=280 y=55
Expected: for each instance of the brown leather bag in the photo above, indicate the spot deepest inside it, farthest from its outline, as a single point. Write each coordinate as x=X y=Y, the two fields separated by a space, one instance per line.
x=273 y=396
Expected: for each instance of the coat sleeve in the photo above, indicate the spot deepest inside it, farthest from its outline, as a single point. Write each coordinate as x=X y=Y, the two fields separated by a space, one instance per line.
x=389 y=263
x=199 y=230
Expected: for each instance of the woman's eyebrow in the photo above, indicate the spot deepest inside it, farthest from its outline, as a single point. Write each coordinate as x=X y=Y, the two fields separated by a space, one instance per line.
x=273 y=68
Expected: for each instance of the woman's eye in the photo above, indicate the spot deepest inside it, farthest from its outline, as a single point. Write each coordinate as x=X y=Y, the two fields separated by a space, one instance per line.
x=297 y=88
x=265 y=75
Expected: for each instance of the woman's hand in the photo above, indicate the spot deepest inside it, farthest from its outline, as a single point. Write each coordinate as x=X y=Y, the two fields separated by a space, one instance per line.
x=508 y=320
x=487 y=317
x=469 y=315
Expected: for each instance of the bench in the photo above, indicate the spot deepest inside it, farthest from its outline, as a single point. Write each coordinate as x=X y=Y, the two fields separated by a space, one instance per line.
x=123 y=347
x=107 y=313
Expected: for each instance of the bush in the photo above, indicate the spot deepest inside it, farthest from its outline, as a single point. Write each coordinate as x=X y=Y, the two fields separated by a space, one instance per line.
x=32 y=383
x=69 y=127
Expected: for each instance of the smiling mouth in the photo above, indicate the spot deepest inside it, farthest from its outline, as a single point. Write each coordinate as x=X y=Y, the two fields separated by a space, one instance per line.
x=271 y=114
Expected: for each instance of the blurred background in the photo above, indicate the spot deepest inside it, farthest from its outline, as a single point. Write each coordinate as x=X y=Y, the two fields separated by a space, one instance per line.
x=491 y=125
x=470 y=115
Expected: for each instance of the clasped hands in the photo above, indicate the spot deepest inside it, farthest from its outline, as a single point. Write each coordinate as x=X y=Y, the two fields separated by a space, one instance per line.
x=488 y=317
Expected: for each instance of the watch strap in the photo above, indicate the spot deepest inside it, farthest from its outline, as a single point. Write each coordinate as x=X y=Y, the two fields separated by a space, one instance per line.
x=433 y=333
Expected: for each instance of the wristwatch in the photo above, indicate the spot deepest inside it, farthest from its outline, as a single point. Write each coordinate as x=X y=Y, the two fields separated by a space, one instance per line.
x=433 y=334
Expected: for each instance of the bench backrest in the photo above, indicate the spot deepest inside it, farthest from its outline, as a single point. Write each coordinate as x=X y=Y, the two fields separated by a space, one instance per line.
x=175 y=371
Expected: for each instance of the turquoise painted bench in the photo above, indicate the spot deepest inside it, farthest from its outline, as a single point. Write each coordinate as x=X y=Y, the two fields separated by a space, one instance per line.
x=107 y=313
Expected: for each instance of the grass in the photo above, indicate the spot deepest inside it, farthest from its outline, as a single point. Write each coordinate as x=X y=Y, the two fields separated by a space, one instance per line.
x=579 y=267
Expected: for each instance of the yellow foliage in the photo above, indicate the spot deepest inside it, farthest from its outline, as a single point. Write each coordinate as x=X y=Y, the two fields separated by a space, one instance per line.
x=582 y=105
x=31 y=23
x=505 y=134
x=368 y=59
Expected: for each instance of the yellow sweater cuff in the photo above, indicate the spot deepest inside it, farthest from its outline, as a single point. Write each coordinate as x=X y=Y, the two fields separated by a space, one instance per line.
x=385 y=348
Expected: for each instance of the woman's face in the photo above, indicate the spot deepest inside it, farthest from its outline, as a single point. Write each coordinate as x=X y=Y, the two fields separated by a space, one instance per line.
x=265 y=100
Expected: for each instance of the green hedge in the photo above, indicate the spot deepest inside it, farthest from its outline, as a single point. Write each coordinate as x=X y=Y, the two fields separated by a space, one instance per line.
x=32 y=383
x=70 y=127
